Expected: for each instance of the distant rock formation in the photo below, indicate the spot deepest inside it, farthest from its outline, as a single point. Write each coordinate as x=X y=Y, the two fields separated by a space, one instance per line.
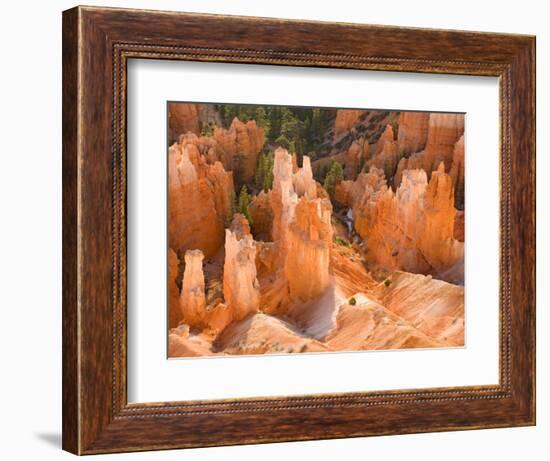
x=198 y=198
x=444 y=144
x=411 y=229
x=238 y=147
x=346 y=120
x=182 y=118
x=413 y=131
x=241 y=289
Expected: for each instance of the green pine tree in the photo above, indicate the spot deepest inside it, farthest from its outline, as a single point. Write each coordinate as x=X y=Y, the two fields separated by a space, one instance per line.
x=232 y=208
x=334 y=176
x=244 y=202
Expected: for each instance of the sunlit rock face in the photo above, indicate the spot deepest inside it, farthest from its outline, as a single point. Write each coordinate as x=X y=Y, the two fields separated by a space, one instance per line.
x=412 y=229
x=198 y=200
x=240 y=226
x=302 y=235
x=413 y=131
x=303 y=181
x=192 y=297
x=444 y=130
x=183 y=118
x=345 y=120
x=283 y=197
x=238 y=147
x=241 y=289
x=434 y=307
x=309 y=242
x=444 y=144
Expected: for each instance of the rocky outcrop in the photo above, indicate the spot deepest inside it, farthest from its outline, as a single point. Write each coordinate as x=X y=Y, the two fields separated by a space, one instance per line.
x=308 y=246
x=412 y=229
x=240 y=226
x=413 y=131
x=182 y=118
x=238 y=148
x=444 y=130
x=198 y=200
x=304 y=184
x=264 y=334
x=302 y=236
x=444 y=143
x=387 y=158
x=283 y=198
x=386 y=137
x=175 y=315
x=368 y=325
x=354 y=158
x=241 y=289
x=432 y=306
x=192 y=298
x=345 y=120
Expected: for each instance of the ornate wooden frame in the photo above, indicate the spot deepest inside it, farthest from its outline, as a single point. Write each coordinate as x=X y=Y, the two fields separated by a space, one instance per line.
x=97 y=43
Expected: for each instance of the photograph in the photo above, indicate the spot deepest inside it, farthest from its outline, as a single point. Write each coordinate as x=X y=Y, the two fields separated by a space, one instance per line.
x=313 y=229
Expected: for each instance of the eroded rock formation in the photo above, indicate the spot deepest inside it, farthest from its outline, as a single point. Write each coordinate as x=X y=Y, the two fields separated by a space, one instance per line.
x=308 y=245
x=192 y=298
x=412 y=229
x=198 y=197
x=182 y=118
x=238 y=147
x=413 y=131
x=240 y=284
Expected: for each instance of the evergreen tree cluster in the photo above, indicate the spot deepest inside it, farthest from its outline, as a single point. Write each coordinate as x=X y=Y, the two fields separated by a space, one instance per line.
x=264 y=171
x=299 y=130
x=240 y=205
x=334 y=176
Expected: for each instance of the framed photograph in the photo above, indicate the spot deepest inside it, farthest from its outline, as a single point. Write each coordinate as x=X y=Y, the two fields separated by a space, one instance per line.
x=285 y=230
